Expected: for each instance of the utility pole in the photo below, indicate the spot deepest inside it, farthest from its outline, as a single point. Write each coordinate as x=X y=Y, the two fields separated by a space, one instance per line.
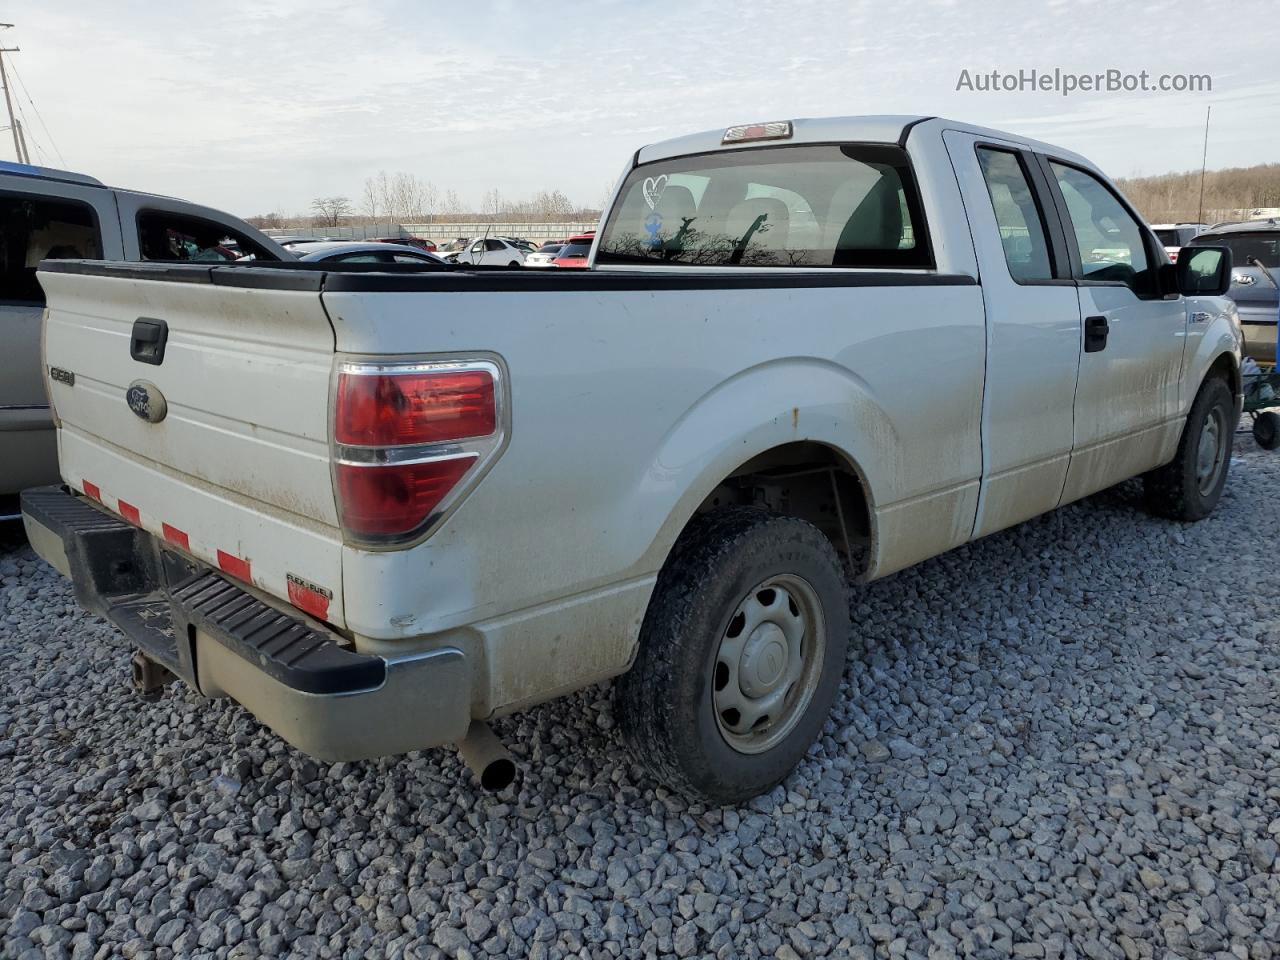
x=1204 y=157
x=22 y=139
x=8 y=101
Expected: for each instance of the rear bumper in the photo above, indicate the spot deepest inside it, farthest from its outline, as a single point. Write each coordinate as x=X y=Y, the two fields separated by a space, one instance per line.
x=225 y=640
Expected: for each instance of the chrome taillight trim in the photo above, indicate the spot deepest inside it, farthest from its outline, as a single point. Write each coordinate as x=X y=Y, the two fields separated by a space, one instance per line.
x=485 y=450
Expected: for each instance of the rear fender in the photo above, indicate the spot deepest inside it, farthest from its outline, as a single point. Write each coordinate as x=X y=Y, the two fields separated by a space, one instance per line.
x=761 y=408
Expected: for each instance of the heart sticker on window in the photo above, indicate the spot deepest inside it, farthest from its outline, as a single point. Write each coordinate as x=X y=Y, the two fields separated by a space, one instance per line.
x=653 y=187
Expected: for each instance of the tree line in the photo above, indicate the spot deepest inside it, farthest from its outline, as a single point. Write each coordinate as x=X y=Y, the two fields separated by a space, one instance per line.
x=1228 y=194
x=406 y=198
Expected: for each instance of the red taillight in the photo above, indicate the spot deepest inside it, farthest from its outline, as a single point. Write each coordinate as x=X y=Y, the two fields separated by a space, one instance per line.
x=390 y=499
x=385 y=409
x=410 y=440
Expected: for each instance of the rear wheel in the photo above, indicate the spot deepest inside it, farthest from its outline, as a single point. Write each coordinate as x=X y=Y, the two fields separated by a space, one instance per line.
x=1188 y=488
x=740 y=657
x=1266 y=430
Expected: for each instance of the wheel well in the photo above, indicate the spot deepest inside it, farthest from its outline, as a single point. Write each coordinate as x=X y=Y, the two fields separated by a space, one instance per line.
x=807 y=480
x=1225 y=367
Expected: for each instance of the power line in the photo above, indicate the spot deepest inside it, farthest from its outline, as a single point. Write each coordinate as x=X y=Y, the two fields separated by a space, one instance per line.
x=43 y=126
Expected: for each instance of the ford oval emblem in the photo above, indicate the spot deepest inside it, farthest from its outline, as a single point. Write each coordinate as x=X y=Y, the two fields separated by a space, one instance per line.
x=146 y=401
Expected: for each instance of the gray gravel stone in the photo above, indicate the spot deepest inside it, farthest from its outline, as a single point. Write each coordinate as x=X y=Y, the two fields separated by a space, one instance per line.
x=1060 y=742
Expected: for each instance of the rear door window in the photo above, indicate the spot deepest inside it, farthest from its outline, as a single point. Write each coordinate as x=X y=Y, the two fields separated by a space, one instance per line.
x=41 y=228
x=1022 y=231
x=168 y=236
x=795 y=206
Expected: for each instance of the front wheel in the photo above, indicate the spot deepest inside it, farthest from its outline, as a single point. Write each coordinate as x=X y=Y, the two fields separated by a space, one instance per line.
x=1189 y=487
x=741 y=653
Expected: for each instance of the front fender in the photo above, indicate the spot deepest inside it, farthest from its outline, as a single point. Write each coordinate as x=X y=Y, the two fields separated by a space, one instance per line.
x=1213 y=330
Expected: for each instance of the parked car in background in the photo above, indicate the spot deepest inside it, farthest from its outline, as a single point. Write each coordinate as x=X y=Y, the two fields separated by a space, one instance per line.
x=365 y=251
x=488 y=252
x=421 y=243
x=520 y=243
x=1175 y=236
x=1254 y=245
x=295 y=244
x=573 y=255
x=396 y=505
x=48 y=214
x=544 y=256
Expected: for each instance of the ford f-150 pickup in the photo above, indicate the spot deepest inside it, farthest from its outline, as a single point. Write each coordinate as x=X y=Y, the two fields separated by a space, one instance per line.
x=379 y=507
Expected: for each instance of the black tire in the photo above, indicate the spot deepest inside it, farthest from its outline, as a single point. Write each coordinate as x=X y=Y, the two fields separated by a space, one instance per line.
x=1266 y=430
x=668 y=703
x=514 y=263
x=1180 y=490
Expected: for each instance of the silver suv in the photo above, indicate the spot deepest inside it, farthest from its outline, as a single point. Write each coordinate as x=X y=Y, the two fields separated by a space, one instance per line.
x=57 y=215
x=1255 y=256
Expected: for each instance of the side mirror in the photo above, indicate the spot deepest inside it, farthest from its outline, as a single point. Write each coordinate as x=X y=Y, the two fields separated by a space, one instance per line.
x=1204 y=271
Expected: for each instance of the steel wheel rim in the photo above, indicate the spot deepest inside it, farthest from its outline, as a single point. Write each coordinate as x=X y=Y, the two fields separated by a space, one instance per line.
x=1211 y=454
x=767 y=663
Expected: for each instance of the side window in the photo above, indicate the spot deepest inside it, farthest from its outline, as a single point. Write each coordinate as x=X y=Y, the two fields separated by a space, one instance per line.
x=494 y=245
x=1022 y=232
x=1108 y=237
x=41 y=228
x=359 y=258
x=175 y=236
x=406 y=258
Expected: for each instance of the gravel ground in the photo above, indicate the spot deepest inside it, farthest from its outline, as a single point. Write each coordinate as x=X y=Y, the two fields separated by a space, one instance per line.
x=1059 y=742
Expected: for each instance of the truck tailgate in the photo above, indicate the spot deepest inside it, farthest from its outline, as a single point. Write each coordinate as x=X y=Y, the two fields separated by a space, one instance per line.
x=236 y=471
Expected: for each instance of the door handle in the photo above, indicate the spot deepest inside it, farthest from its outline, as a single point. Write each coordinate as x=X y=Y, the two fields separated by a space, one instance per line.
x=1095 y=334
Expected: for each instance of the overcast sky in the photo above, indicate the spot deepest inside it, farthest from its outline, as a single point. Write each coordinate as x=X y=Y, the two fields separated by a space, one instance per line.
x=261 y=106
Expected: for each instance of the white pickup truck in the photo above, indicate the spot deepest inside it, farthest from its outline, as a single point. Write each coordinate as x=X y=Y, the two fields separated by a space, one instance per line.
x=381 y=506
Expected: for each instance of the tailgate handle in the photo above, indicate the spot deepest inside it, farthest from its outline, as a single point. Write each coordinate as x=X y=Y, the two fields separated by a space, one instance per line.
x=146 y=345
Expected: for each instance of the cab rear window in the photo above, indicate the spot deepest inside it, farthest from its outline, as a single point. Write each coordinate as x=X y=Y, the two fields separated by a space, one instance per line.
x=795 y=206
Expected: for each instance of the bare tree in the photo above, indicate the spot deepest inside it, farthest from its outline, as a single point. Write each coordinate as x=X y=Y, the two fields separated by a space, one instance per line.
x=1176 y=196
x=493 y=205
x=266 y=220
x=371 y=198
x=331 y=211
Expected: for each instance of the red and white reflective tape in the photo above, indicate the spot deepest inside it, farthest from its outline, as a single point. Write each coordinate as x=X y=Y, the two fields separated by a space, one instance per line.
x=306 y=596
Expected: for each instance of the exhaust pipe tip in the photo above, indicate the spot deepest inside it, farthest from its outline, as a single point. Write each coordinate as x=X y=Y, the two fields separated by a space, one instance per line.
x=488 y=759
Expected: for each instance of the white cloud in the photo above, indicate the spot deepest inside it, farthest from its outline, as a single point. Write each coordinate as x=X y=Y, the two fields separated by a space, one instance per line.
x=252 y=106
